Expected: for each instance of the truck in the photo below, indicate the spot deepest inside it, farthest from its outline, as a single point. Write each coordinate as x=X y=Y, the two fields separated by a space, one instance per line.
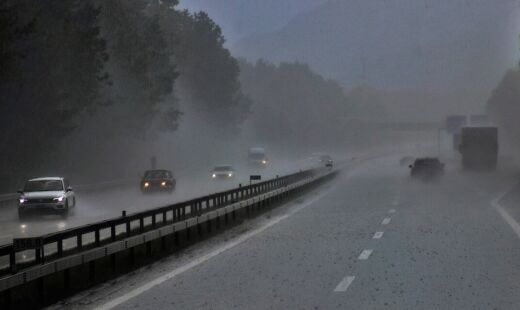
x=479 y=148
x=256 y=157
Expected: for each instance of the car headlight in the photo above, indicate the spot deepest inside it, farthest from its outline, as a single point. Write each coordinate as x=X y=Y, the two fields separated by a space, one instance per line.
x=163 y=183
x=146 y=184
x=230 y=174
x=22 y=200
x=213 y=175
x=58 y=199
x=264 y=161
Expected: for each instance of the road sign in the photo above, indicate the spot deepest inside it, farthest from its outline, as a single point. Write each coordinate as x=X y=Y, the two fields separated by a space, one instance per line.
x=255 y=177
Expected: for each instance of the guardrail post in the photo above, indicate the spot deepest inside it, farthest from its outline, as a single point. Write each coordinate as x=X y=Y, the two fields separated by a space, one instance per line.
x=96 y=233
x=153 y=220
x=113 y=232
x=164 y=217
x=37 y=255
x=60 y=247
x=79 y=241
x=141 y=224
x=12 y=262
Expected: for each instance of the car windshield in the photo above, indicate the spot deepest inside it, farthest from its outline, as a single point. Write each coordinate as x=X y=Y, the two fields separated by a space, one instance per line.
x=43 y=186
x=157 y=174
x=223 y=168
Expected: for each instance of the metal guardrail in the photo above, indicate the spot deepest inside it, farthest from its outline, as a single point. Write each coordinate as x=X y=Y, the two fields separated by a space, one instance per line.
x=50 y=247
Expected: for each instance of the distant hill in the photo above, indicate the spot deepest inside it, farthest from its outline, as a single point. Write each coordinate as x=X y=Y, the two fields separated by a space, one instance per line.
x=401 y=45
x=242 y=18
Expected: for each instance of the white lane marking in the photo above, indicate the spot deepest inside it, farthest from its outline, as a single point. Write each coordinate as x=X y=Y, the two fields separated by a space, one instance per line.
x=344 y=284
x=149 y=285
x=508 y=218
x=386 y=221
x=391 y=211
x=365 y=254
x=378 y=235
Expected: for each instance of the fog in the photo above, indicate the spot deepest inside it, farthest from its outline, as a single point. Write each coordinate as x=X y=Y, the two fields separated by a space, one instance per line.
x=409 y=108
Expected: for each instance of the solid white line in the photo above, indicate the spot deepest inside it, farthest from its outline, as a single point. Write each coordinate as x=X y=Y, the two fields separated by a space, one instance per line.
x=508 y=218
x=391 y=211
x=378 y=235
x=244 y=237
x=386 y=221
x=344 y=284
x=365 y=254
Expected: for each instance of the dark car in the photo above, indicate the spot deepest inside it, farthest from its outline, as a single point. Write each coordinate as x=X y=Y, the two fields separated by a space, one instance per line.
x=326 y=160
x=158 y=180
x=223 y=172
x=427 y=168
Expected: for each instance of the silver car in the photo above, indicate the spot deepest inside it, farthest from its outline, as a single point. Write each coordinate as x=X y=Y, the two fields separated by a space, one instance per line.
x=223 y=172
x=49 y=194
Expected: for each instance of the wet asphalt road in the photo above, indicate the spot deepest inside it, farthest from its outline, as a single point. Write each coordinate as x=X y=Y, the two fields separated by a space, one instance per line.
x=373 y=239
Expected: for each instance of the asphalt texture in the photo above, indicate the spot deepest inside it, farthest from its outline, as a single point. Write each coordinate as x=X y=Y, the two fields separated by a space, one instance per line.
x=370 y=239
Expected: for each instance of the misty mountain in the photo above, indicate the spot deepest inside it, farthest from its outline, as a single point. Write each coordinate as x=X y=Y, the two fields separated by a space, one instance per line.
x=242 y=18
x=398 y=44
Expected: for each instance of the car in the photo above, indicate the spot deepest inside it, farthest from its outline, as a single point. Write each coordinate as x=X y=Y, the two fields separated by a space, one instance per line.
x=158 y=180
x=47 y=194
x=326 y=161
x=426 y=168
x=223 y=172
x=256 y=157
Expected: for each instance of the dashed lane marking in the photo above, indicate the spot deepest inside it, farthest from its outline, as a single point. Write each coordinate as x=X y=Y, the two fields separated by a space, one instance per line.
x=391 y=211
x=378 y=235
x=365 y=254
x=386 y=221
x=344 y=284
x=508 y=218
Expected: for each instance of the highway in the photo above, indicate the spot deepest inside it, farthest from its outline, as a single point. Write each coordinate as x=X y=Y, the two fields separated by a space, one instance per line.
x=370 y=239
x=107 y=202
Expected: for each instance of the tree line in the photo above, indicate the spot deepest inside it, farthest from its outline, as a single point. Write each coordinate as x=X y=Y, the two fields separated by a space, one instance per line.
x=120 y=62
x=99 y=71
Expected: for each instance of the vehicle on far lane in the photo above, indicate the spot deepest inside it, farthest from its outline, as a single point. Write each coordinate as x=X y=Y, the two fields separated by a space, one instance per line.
x=223 y=172
x=256 y=157
x=427 y=168
x=46 y=195
x=158 y=180
x=326 y=160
